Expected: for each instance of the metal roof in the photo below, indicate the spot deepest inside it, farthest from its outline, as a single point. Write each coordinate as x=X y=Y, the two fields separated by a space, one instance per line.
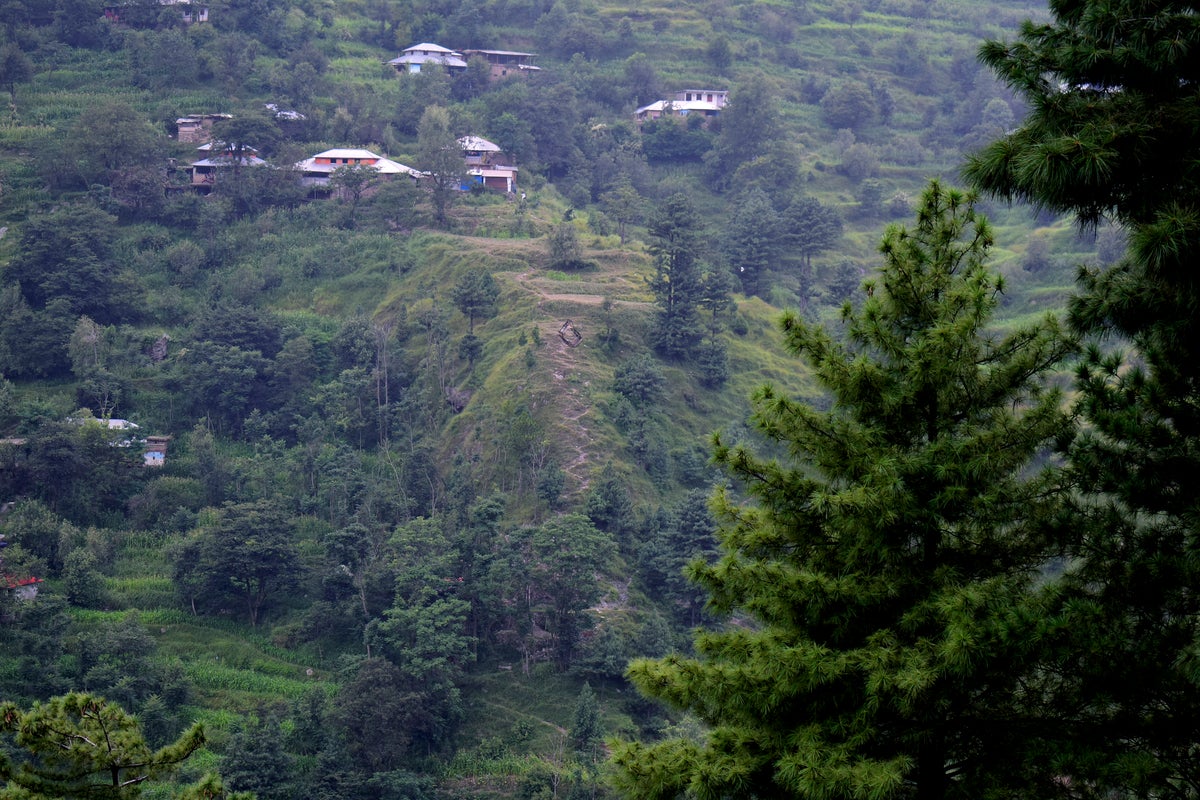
x=384 y=166
x=478 y=143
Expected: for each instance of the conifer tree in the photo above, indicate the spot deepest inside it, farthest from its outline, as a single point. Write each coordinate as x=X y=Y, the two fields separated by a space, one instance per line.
x=675 y=244
x=81 y=746
x=880 y=578
x=1114 y=133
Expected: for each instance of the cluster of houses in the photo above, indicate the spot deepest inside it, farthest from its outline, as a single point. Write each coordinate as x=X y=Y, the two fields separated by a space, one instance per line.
x=485 y=164
x=704 y=103
x=188 y=11
x=503 y=63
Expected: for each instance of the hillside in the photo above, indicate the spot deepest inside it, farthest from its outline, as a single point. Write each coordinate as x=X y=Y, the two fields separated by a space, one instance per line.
x=426 y=477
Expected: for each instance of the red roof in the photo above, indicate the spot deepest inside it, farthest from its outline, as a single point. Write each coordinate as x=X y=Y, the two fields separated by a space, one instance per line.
x=9 y=582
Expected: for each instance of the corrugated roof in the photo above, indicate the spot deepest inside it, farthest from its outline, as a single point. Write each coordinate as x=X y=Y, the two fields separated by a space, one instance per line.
x=478 y=143
x=418 y=58
x=428 y=47
x=680 y=105
x=384 y=166
x=500 y=53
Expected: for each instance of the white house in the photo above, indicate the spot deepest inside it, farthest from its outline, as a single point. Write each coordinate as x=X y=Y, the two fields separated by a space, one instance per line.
x=317 y=170
x=703 y=102
x=427 y=55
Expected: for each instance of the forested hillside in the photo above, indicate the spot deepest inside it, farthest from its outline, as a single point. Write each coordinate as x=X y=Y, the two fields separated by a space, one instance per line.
x=416 y=467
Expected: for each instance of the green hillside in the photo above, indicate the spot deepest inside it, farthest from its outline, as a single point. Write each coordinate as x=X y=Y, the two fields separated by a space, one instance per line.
x=396 y=530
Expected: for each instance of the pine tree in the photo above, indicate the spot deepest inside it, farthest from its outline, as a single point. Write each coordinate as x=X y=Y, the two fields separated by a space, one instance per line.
x=78 y=745
x=675 y=246
x=880 y=581
x=751 y=239
x=1114 y=133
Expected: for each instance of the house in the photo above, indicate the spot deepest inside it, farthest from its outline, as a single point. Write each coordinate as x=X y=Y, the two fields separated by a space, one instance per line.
x=155 y=454
x=284 y=114
x=428 y=56
x=197 y=127
x=189 y=12
x=219 y=156
x=316 y=172
x=505 y=63
x=702 y=102
x=20 y=588
x=487 y=165
x=137 y=15
x=111 y=423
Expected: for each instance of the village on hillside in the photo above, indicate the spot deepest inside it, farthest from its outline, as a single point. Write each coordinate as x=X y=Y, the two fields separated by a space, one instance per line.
x=485 y=165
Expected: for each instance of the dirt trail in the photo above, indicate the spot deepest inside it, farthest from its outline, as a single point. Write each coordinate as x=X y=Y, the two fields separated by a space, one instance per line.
x=574 y=406
x=573 y=401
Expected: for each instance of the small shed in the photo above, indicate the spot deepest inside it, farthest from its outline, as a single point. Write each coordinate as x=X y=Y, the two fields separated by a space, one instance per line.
x=506 y=63
x=20 y=588
x=197 y=127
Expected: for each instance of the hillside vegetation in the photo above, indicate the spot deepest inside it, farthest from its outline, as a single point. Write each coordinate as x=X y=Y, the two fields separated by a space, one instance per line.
x=412 y=522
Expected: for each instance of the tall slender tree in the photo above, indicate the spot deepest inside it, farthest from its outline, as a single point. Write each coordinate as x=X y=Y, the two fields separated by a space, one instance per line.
x=1114 y=133
x=880 y=581
x=675 y=246
x=439 y=157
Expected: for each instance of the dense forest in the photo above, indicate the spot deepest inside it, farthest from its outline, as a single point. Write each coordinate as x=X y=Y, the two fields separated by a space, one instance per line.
x=370 y=483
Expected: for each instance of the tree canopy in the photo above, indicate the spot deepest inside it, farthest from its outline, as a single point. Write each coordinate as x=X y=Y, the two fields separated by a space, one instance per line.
x=881 y=580
x=1112 y=134
x=83 y=746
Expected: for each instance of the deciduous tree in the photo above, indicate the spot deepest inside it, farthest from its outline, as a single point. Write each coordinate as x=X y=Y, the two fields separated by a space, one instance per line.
x=248 y=553
x=880 y=575
x=15 y=67
x=439 y=157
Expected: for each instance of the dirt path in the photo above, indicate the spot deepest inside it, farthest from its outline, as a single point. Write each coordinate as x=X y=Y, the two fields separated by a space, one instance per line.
x=516 y=712
x=573 y=400
x=574 y=408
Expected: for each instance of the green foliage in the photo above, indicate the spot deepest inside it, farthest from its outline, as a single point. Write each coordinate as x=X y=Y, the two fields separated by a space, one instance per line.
x=565 y=250
x=311 y=347
x=890 y=566
x=1110 y=136
x=750 y=237
x=255 y=762
x=83 y=746
x=751 y=134
x=249 y=553
x=67 y=255
x=848 y=104
x=15 y=67
x=675 y=247
x=439 y=155
x=475 y=295
x=640 y=380
x=586 y=730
